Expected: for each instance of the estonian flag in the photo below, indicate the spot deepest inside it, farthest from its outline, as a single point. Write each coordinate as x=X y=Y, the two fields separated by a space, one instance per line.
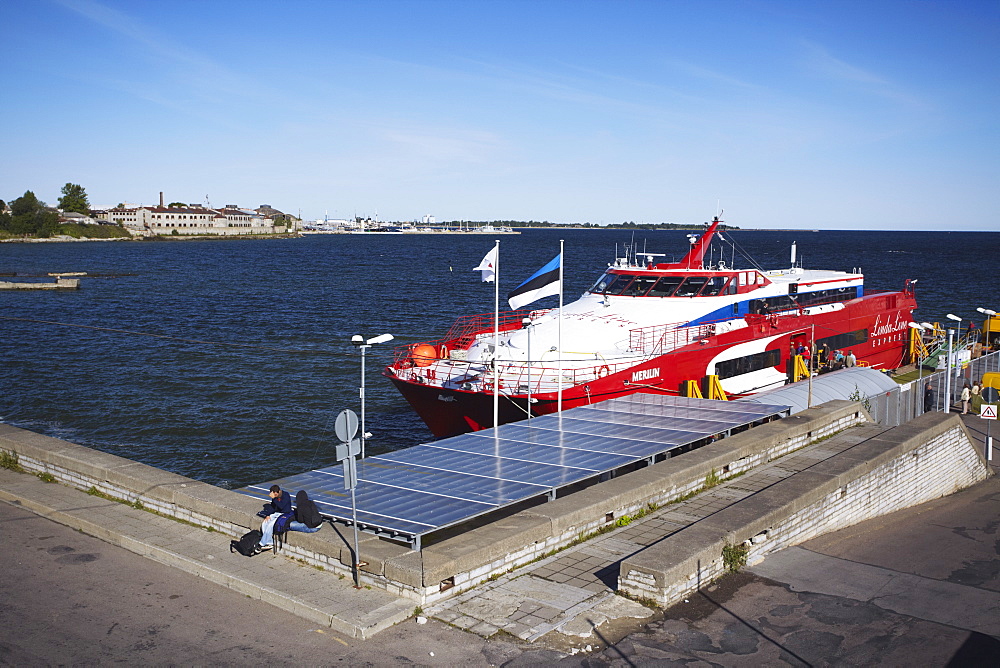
x=543 y=283
x=488 y=266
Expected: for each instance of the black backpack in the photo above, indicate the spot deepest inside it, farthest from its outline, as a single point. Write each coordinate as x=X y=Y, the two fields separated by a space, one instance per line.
x=306 y=511
x=247 y=544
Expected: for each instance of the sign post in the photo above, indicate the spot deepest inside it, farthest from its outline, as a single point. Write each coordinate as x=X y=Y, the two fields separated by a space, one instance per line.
x=346 y=428
x=988 y=412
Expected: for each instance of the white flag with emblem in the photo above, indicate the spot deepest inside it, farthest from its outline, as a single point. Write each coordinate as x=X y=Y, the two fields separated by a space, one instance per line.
x=488 y=266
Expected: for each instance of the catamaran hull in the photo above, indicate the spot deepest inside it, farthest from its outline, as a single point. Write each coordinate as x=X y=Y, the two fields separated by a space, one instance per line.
x=449 y=411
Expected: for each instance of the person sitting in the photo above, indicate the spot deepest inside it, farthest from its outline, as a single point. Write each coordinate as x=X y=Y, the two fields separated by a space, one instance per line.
x=280 y=504
x=307 y=517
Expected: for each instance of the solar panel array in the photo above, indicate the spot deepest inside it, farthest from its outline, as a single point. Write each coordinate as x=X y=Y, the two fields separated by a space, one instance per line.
x=414 y=491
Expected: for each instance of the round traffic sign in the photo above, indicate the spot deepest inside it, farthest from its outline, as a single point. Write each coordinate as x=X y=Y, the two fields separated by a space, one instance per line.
x=346 y=425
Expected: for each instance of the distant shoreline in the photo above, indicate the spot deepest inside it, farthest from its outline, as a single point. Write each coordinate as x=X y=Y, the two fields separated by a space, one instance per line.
x=205 y=237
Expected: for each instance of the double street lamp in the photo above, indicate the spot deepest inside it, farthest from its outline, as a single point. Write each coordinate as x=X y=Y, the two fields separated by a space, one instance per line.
x=947 y=378
x=920 y=328
x=363 y=345
x=987 y=326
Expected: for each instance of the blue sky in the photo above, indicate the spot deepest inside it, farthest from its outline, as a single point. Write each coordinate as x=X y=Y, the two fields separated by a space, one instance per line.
x=831 y=115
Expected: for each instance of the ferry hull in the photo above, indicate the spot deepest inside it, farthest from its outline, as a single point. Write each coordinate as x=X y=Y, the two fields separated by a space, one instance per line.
x=449 y=412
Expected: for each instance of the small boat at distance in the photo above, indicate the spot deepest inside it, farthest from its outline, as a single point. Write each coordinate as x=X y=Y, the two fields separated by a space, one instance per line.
x=650 y=326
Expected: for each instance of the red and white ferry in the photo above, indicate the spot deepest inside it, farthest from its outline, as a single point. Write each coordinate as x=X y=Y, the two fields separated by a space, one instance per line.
x=650 y=327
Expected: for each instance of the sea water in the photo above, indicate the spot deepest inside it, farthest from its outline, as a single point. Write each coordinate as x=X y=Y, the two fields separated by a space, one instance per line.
x=228 y=361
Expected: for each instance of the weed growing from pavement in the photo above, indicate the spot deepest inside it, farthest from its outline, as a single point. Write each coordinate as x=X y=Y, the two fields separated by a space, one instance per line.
x=9 y=460
x=641 y=600
x=137 y=504
x=734 y=557
x=45 y=476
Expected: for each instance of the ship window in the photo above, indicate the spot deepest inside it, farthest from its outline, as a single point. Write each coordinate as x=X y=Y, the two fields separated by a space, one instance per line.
x=665 y=286
x=748 y=364
x=713 y=286
x=602 y=283
x=618 y=284
x=639 y=286
x=842 y=341
x=691 y=286
x=611 y=284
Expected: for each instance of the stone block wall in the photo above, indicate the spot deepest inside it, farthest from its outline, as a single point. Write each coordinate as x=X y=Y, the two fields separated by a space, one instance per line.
x=928 y=458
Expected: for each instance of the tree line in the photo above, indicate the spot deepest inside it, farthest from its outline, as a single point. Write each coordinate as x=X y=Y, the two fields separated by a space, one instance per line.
x=31 y=217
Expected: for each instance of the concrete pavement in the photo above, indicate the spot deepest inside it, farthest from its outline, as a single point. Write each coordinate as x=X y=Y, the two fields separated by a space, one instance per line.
x=319 y=596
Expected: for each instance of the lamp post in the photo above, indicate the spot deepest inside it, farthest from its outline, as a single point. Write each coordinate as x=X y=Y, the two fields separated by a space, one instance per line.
x=363 y=346
x=947 y=372
x=990 y=313
x=920 y=369
x=527 y=326
x=812 y=352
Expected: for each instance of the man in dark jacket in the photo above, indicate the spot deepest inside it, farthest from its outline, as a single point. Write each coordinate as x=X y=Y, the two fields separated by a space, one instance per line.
x=280 y=504
x=307 y=517
x=928 y=398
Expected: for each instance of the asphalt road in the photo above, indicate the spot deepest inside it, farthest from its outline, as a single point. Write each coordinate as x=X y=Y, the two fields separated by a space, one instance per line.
x=920 y=587
x=69 y=598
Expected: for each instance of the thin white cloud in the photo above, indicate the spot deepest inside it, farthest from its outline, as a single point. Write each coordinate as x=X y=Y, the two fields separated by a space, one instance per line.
x=823 y=62
x=820 y=61
x=195 y=79
x=446 y=145
x=699 y=72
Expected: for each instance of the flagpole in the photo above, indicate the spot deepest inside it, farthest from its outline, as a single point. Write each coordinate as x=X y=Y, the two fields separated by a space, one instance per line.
x=496 y=340
x=559 y=336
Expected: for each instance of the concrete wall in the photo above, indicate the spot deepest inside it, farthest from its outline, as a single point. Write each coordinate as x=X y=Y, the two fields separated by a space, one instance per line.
x=456 y=563
x=228 y=512
x=927 y=458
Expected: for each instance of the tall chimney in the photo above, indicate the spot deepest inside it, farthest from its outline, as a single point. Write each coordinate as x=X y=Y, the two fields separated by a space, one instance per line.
x=161 y=199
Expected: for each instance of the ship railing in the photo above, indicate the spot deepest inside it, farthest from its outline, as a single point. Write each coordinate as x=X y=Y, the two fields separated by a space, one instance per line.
x=513 y=377
x=465 y=329
x=660 y=339
x=541 y=378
